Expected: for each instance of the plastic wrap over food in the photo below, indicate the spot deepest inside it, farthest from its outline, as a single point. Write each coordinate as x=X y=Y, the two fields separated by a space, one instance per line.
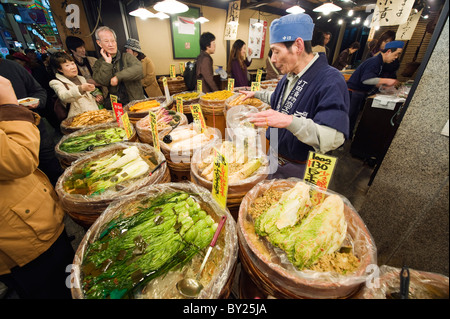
x=158 y=102
x=77 y=148
x=219 y=270
x=144 y=130
x=214 y=101
x=422 y=285
x=82 y=199
x=185 y=141
x=89 y=119
x=238 y=100
x=189 y=98
x=271 y=264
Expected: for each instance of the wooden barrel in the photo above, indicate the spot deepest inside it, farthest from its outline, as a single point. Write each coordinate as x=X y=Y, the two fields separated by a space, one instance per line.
x=84 y=210
x=136 y=116
x=213 y=105
x=175 y=85
x=179 y=162
x=66 y=127
x=280 y=279
x=222 y=261
x=144 y=131
x=66 y=159
x=237 y=190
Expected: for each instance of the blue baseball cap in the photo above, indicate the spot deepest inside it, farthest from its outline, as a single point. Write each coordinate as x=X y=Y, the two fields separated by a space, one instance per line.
x=394 y=45
x=290 y=27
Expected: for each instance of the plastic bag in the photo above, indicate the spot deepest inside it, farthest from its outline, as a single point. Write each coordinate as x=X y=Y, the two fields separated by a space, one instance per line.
x=224 y=253
x=271 y=266
x=163 y=102
x=187 y=102
x=67 y=129
x=422 y=285
x=144 y=130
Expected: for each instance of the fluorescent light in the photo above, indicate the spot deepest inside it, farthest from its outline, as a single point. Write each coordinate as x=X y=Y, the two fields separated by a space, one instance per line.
x=142 y=13
x=170 y=6
x=161 y=15
x=295 y=9
x=328 y=7
x=201 y=19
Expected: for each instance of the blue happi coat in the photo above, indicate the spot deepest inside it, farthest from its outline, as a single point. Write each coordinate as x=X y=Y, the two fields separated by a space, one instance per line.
x=320 y=94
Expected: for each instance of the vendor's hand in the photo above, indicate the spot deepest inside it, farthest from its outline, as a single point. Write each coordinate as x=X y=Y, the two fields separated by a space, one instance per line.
x=249 y=94
x=87 y=87
x=106 y=56
x=270 y=118
x=114 y=81
x=389 y=82
x=250 y=51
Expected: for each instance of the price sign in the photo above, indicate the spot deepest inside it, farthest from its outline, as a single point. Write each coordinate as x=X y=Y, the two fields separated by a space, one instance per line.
x=118 y=112
x=220 y=179
x=172 y=72
x=182 y=68
x=180 y=105
x=199 y=86
x=127 y=125
x=258 y=75
x=154 y=129
x=256 y=86
x=197 y=115
x=319 y=170
x=166 y=88
x=230 y=84
x=113 y=99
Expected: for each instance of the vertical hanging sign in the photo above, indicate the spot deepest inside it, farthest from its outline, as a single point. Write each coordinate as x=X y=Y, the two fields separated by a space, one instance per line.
x=232 y=20
x=406 y=30
x=391 y=12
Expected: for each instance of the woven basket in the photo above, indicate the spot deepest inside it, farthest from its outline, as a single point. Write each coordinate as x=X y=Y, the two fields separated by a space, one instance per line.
x=67 y=129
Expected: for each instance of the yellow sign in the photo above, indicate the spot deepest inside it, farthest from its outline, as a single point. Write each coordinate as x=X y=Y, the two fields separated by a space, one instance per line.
x=199 y=86
x=220 y=179
x=230 y=84
x=113 y=99
x=258 y=75
x=319 y=170
x=197 y=116
x=164 y=81
x=256 y=86
x=182 y=68
x=154 y=129
x=180 y=105
x=172 y=72
x=127 y=125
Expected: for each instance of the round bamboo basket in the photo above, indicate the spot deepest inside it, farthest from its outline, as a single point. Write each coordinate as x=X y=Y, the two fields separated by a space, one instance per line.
x=179 y=162
x=269 y=84
x=67 y=129
x=258 y=104
x=213 y=112
x=84 y=210
x=187 y=102
x=175 y=85
x=222 y=261
x=274 y=277
x=66 y=159
x=136 y=116
x=236 y=190
x=144 y=131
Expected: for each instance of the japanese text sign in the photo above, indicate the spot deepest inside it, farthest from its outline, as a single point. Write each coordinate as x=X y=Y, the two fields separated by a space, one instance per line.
x=127 y=125
x=118 y=112
x=198 y=119
x=220 y=179
x=391 y=12
x=154 y=129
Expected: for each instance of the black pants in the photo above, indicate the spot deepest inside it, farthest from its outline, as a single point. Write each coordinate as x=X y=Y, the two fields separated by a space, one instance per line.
x=44 y=277
x=357 y=100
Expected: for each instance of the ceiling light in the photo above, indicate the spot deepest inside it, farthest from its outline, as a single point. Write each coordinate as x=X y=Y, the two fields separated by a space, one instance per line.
x=258 y=24
x=232 y=23
x=328 y=7
x=340 y=21
x=350 y=13
x=170 y=6
x=161 y=15
x=141 y=12
x=295 y=9
x=201 y=19
x=425 y=16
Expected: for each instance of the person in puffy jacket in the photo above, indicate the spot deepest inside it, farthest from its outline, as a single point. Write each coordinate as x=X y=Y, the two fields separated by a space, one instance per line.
x=34 y=247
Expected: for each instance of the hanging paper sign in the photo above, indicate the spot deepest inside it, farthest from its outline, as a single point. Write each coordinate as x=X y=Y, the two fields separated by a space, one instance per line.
x=199 y=86
x=391 y=12
x=319 y=170
x=257 y=38
x=182 y=68
x=256 y=86
x=118 y=112
x=127 y=125
x=220 y=179
x=232 y=20
x=406 y=30
x=230 y=86
x=198 y=119
x=258 y=75
x=154 y=129
x=172 y=72
x=179 y=105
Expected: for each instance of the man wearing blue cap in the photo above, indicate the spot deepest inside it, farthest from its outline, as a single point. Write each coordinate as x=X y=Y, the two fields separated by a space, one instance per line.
x=367 y=76
x=309 y=107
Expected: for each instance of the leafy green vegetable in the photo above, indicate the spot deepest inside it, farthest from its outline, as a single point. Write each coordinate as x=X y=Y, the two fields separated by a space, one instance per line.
x=93 y=140
x=164 y=234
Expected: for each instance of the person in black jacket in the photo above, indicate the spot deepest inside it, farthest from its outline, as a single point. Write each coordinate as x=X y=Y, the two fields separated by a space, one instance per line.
x=345 y=58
